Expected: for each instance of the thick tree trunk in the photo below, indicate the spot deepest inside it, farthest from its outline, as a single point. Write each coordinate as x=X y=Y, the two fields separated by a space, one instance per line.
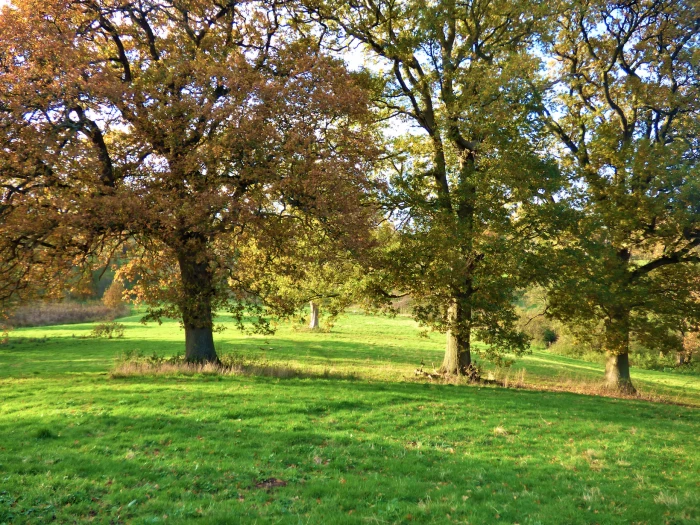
x=199 y=345
x=196 y=309
x=313 y=322
x=458 y=344
x=617 y=373
x=617 y=368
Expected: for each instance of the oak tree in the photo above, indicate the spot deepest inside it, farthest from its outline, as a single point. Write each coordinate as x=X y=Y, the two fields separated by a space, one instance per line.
x=624 y=108
x=467 y=178
x=325 y=273
x=198 y=132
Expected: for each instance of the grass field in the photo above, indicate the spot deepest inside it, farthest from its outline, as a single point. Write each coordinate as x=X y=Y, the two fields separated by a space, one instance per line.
x=81 y=446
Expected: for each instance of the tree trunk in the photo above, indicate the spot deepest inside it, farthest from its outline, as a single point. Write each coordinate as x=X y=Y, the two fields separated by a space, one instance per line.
x=617 y=373
x=196 y=309
x=459 y=315
x=458 y=349
x=313 y=323
x=617 y=368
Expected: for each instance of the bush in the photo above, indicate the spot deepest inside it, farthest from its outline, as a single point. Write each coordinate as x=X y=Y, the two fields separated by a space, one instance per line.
x=67 y=312
x=691 y=349
x=108 y=330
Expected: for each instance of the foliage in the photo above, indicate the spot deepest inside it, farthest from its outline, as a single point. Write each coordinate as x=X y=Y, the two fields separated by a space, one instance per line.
x=108 y=330
x=198 y=137
x=691 y=348
x=549 y=336
x=369 y=347
x=466 y=187
x=114 y=295
x=586 y=341
x=316 y=267
x=622 y=107
x=532 y=318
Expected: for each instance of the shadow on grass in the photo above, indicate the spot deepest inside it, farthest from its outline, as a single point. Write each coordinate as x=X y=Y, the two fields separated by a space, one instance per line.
x=143 y=448
x=338 y=354
x=283 y=358
x=384 y=394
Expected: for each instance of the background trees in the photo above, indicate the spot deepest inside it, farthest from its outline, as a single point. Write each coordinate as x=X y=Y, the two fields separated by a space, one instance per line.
x=326 y=274
x=624 y=104
x=190 y=128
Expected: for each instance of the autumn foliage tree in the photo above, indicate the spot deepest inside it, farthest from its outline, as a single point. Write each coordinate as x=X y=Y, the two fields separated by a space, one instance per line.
x=199 y=132
x=114 y=295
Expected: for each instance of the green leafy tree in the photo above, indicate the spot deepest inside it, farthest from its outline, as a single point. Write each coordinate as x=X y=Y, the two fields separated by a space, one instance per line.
x=624 y=109
x=467 y=181
x=328 y=274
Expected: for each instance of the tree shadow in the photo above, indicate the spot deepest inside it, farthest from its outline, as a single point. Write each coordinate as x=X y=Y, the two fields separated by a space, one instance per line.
x=208 y=443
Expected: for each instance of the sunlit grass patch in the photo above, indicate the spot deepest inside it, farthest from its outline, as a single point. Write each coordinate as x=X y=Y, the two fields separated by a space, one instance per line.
x=283 y=437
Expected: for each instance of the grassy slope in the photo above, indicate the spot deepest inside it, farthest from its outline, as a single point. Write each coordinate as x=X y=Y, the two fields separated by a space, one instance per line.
x=78 y=445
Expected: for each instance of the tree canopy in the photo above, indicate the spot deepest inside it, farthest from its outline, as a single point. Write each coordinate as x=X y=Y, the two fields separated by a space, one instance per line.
x=224 y=149
x=466 y=185
x=201 y=134
x=623 y=105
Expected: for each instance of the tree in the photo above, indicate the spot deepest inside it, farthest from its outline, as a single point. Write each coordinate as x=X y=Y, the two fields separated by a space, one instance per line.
x=201 y=133
x=468 y=180
x=114 y=295
x=322 y=273
x=624 y=108
x=313 y=315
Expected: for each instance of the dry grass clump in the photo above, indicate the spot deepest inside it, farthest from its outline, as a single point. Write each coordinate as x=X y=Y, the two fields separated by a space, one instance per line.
x=134 y=364
x=143 y=368
x=44 y=314
x=592 y=387
x=504 y=377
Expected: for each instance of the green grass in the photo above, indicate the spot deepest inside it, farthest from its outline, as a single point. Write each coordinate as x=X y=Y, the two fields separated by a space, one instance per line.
x=79 y=446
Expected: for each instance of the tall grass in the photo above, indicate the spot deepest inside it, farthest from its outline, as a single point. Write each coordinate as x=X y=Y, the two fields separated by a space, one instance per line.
x=44 y=314
x=130 y=364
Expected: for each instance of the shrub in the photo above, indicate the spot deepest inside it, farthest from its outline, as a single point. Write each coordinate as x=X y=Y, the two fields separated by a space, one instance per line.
x=691 y=349
x=108 y=330
x=540 y=329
